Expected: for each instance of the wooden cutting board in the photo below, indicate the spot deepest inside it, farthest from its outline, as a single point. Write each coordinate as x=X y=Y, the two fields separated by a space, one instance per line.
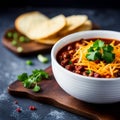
x=29 y=48
x=51 y=93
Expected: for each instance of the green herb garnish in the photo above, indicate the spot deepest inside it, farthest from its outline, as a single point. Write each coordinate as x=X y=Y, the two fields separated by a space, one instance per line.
x=70 y=62
x=29 y=62
x=95 y=55
x=9 y=34
x=88 y=71
x=17 y=39
x=15 y=35
x=108 y=57
x=14 y=43
x=19 y=49
x=31 y=81
x=22 y=39
x=36 y=88
x=42 y=58
x=100 y=51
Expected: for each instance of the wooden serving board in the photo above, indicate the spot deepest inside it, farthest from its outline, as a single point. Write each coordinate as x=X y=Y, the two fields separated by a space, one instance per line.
x=51 y=93
x=30 y=47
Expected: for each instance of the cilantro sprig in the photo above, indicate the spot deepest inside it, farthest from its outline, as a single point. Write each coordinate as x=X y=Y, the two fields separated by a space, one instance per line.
x=100 y=51
x=31 y=81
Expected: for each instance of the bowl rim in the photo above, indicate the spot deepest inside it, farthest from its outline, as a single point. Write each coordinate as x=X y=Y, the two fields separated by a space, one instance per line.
x=53 y=57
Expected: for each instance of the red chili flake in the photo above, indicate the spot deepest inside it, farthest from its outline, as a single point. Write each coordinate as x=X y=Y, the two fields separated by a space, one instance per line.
x=32 y=108
x=16 y=102
x=18 y=110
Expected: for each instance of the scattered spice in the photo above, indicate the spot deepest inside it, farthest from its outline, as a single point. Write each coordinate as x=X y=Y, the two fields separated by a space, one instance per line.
x=32 y=108
x=16 y=102
x=18 y=110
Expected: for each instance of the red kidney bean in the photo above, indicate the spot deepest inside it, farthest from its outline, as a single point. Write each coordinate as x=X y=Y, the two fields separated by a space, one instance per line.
x=69 y=67
x=69 y=47
x=91 y=74
x=84 y=73
x=96 y=75
x=108 y=76
x=65 y=55
x=77 y=46
x=79 y=68
x=60 y=58
x=78 y=72
x=64 y=62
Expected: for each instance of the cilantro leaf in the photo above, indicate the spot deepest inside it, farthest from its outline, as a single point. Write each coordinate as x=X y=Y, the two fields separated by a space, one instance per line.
x=100 y=51
x=108 y=57
x=88 y=71
x=27 y=84
x=93 y=55
x=91 y=49
x=22 y=77
x=36 y=88
x=108 y=48
x=98 y=44
x=41 y=72
x=30 y=81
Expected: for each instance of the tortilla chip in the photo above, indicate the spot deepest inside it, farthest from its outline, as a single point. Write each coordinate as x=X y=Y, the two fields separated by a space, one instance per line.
x=52 y=40
x=73 y=22
x=49 y=41
x=26 y=21
x=86 y=26
x=48 y=28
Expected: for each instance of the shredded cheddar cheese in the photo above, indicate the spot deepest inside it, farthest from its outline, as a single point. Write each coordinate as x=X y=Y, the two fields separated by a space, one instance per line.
x=101 y=67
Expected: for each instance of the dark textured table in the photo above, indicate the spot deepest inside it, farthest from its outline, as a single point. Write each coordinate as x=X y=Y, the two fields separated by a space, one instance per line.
x=12 y=65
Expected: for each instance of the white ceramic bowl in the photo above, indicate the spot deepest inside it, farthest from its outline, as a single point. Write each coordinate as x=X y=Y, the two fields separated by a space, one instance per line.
x=88 y=89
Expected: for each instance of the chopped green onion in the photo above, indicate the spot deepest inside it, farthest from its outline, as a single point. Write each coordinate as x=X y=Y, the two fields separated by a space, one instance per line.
x=14 y=42
x=19 y=49
x=42 y=58
x=9 y=34
x=29 y=62
x=88 y=71
x=22 y=39
x=15 y=35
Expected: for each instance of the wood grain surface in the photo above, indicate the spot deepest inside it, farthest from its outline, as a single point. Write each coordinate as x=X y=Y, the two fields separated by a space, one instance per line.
x=52 y=94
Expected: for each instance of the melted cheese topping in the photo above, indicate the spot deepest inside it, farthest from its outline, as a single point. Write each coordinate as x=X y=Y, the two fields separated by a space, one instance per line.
x=101 y=68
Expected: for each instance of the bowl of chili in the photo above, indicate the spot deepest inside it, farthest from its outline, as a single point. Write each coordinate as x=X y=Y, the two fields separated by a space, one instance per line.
x=86 y=65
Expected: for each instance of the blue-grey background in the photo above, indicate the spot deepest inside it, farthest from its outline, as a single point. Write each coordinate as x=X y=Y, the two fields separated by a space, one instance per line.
x=12 y=65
